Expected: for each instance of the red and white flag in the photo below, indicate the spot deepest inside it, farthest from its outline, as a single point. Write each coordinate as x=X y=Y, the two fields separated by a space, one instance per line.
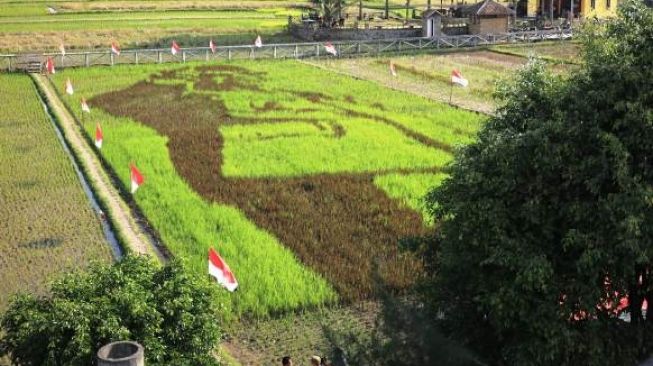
x=62 y=49
x=174 y=49
x=212 y=46
x=136 y=177
x=85 y=107
x=69 y=87
x=457 y=78
x=258 y=42
x=99 y=137
x=219 y=269
x=115 y=49
x=330 y=48
x=49 y=65
x=393 y=70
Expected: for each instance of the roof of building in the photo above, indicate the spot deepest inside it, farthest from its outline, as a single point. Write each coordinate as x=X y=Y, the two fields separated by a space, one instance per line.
x=431 y=13
x=486 y=8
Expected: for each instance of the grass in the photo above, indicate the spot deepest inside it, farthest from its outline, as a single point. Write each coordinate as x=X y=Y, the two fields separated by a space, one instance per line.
x=26 y=26
x=555 y=52
x=429 y=74
x=47 y=226
x=254 y=158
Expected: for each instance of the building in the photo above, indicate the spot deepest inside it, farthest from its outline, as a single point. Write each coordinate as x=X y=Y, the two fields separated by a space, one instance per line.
x=562 y=8
x=487 y=17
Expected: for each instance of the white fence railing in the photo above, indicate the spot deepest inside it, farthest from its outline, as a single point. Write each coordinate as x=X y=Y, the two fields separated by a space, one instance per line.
x=273 y=51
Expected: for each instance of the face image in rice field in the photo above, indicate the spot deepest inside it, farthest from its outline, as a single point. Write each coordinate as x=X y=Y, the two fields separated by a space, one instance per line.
x=308 y=162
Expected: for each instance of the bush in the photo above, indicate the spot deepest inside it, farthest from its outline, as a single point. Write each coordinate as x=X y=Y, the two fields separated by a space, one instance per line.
x=170 y=312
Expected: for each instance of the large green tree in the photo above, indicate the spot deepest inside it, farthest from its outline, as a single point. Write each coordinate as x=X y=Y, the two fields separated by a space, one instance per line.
x=547 y=220
x=169 y=311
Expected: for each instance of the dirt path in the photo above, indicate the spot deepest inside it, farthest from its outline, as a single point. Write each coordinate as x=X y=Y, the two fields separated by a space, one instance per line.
x=119 y=213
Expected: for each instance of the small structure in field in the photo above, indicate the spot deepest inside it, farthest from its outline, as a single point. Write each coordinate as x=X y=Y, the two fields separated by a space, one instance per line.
x=487 y=17
x=431 y=23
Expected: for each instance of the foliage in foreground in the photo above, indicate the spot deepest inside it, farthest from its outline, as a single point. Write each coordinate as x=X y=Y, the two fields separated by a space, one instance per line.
x=546 y=221
x=168 y=310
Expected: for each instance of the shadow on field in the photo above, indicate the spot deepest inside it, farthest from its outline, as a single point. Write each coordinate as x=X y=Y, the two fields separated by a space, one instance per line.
x=338 y=224
x=43 y=243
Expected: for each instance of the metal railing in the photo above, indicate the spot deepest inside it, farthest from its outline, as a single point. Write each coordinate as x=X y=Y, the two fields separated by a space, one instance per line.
x=276 y=51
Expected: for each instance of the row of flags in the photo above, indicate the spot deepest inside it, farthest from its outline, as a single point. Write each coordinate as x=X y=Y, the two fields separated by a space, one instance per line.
x=218 y=268
x=456 y=76
x=175 y=49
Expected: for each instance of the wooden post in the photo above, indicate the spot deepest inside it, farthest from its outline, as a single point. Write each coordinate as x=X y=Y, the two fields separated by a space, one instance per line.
x=358 y=47
x=207 y=55
x=10 y=65
x=229 y=54
x=183 y=56
x=296 y=51
x=274 y=51
x=86 y=60
x=111 y=57
x=136 y=57
x=317 y=50
x=158 y=55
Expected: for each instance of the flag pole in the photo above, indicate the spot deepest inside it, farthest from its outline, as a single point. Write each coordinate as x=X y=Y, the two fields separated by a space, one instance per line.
x=450 y=92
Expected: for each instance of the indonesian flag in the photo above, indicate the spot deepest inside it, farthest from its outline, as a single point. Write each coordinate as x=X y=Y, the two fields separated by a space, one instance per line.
x=174 y=49
x=219 y=269
x=393 y=70
x=330 y=48
x=457 y=78
x=136 y=178
x=85 y=107
x=212 y=46
x=62 y=49
x=99 y=137
x=69 y=87
x=258 y=42
x=115 y=49
x=49 y=65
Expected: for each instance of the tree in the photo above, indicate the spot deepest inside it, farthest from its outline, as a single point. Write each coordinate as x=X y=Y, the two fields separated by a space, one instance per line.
x=168 y=310
x=330 y=11
x=546 y=221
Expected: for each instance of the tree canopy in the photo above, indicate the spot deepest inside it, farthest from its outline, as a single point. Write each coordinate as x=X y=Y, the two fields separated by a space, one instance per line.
x=546 y=222
x=169 y=311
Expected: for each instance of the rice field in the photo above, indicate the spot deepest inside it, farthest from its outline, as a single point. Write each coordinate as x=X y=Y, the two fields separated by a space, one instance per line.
x=47 y=225
x=27 y=26
x=429 y=75
x=555 y=52
x=302 y=179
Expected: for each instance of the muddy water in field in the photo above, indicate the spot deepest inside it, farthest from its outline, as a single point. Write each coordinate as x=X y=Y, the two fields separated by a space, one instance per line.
x=338 y=224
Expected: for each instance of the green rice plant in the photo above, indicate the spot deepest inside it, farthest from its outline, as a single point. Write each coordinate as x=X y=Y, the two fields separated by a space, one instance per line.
x=47 y=225
x=270 y=277
x=411 y=189
x=289 y=142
